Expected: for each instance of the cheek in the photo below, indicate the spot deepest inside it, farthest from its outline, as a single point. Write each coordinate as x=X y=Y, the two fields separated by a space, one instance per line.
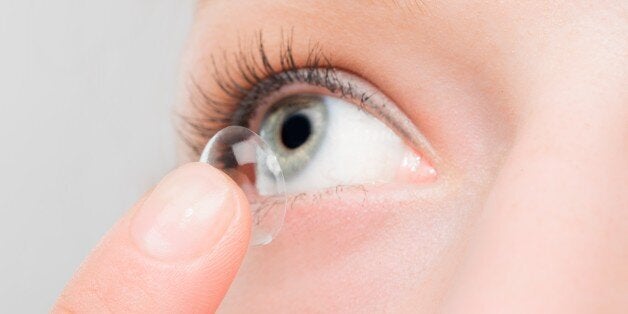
x=356 y=250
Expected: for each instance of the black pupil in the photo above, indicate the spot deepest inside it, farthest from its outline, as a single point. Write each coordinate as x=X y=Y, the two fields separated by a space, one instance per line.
x=295 y=131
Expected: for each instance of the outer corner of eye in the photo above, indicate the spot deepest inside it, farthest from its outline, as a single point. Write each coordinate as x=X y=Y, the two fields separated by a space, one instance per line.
x=414 y=169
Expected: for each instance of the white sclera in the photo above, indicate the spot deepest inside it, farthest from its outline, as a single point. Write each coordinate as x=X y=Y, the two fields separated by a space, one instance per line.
x=249 y=161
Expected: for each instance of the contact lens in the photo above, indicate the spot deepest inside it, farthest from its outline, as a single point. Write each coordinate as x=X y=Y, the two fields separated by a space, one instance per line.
x=249 y=161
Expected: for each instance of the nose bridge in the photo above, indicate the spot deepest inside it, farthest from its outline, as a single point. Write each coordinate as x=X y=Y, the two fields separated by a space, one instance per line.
x=553 y=234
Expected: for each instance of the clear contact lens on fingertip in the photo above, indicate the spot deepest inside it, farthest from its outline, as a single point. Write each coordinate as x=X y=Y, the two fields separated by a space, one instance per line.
x=249 y=161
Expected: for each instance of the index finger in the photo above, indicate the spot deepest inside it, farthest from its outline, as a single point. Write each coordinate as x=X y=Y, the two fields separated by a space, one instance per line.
x=177 y=250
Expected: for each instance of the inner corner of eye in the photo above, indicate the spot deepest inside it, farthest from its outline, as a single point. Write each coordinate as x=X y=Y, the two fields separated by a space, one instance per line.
x=323 y=141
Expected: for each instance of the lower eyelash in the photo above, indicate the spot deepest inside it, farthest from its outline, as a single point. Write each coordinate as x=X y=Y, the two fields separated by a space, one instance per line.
x=331 y=194
x=271 y=203
x=243 y=86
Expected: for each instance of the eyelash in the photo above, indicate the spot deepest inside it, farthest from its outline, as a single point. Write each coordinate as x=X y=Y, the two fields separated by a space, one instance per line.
x=251 y=80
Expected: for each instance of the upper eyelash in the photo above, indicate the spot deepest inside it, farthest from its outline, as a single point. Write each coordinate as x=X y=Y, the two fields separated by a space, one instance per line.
x=252 y=78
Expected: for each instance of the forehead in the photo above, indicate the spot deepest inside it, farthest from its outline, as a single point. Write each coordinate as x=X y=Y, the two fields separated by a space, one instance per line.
x=420 y=18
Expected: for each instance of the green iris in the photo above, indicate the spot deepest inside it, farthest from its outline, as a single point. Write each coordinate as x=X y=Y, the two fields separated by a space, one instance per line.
x=294 y=128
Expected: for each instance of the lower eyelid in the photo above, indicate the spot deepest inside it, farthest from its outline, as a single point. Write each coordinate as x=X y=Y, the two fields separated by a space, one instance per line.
x=344 y=196
x=356 y=211
x=344 y=218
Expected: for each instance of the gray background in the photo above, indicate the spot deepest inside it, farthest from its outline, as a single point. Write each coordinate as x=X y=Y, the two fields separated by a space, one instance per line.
x=86 y=90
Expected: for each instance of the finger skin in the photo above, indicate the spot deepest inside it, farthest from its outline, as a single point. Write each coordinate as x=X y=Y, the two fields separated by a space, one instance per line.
x=121 y=275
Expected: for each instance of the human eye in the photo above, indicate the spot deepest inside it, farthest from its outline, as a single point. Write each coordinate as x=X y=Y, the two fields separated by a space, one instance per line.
x=322 y=141
x=326 y=126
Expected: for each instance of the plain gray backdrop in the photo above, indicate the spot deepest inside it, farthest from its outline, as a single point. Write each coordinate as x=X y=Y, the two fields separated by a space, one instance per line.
x=87 y=88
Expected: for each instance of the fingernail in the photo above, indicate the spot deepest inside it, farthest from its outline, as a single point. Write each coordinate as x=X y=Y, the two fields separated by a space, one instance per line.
x=186 y=215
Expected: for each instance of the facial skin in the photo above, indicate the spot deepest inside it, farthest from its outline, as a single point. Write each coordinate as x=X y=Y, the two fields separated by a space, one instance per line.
x=525 y=106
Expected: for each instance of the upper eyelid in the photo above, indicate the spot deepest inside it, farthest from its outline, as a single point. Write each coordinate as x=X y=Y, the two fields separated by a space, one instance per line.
x=327 y=78
x=243 y=85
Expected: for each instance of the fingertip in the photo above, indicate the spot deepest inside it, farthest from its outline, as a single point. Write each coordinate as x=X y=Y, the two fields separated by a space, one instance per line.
x=179 y=248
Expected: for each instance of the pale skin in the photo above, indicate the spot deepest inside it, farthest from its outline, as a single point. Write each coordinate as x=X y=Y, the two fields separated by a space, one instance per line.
x=526 y=107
